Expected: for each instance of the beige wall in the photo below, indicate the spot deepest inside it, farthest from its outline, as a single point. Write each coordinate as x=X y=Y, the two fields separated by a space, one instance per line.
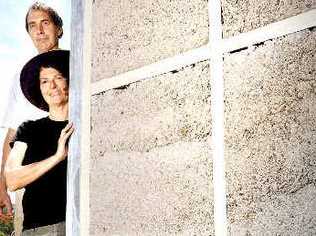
x=151 y=166
x=130 y=34
x=270 y=116
x=246 y=15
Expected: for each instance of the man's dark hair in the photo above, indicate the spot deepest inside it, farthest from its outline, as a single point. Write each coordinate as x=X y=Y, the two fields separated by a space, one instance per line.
x=56 y=19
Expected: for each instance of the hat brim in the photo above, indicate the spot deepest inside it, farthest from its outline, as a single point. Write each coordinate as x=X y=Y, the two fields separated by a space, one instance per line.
x=29 y=77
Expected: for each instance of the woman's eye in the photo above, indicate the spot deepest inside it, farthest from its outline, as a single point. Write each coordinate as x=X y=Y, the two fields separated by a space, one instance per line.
x=59 y=77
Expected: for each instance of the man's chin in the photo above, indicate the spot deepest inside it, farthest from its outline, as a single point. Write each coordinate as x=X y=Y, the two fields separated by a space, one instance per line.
x=44 y=48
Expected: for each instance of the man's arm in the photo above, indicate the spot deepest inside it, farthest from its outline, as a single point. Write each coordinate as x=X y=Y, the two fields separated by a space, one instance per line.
x=5 y=201
x=6 y=122
x=6 y=148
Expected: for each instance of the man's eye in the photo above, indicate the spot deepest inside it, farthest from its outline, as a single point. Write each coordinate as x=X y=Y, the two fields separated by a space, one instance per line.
x=46 y=22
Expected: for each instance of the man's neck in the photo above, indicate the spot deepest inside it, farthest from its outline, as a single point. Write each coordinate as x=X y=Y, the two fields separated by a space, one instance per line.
x=51 y=49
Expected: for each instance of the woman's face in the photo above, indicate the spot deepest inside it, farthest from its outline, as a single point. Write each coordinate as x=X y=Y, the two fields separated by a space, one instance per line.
x=53 y=86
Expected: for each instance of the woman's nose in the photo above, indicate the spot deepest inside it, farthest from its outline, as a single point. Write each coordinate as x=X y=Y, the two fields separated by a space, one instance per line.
x=52 y=84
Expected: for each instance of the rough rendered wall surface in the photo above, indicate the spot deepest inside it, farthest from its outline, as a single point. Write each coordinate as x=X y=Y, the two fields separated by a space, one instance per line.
x=246 y=15
x=270 y=137
x=130 y=34
x=151 y=171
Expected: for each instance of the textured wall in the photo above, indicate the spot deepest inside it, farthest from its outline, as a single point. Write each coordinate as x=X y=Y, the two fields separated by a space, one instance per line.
x=130 y=34
x=271 y=137
x=151 y=158
x=246 y=15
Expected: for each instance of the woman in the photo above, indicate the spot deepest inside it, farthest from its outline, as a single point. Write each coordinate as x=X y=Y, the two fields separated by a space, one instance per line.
x=37 y=161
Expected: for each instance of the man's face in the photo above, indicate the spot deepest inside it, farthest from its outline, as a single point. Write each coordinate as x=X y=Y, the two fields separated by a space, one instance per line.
x=53 y=86
x=43 y=32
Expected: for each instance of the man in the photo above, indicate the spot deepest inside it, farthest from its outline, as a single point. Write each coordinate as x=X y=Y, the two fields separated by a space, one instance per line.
x=44 y=27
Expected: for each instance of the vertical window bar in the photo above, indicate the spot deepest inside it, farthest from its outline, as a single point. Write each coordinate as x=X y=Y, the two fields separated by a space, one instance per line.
x=217 y=108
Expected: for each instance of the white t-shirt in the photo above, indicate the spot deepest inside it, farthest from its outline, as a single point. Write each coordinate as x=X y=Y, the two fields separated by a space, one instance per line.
x=18 y=108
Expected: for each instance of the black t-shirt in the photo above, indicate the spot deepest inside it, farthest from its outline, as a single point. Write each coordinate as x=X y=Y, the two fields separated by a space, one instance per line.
x=44 y=200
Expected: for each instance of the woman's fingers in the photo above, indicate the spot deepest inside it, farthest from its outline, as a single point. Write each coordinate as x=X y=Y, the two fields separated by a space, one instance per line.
x=66 y=132
x=67 y=127
x=69 y=132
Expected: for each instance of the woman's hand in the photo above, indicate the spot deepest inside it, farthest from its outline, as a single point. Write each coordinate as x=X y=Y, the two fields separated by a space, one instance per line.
x=62 y=149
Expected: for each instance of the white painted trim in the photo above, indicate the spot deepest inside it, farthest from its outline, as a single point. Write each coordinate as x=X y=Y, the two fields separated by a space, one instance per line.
x=151 y=70
x=77 y=212
x=274 y=30
x=217 y=112
x=85 y=123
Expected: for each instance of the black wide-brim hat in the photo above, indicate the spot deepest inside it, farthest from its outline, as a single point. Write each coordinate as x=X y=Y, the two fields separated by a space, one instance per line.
x=29 y=77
